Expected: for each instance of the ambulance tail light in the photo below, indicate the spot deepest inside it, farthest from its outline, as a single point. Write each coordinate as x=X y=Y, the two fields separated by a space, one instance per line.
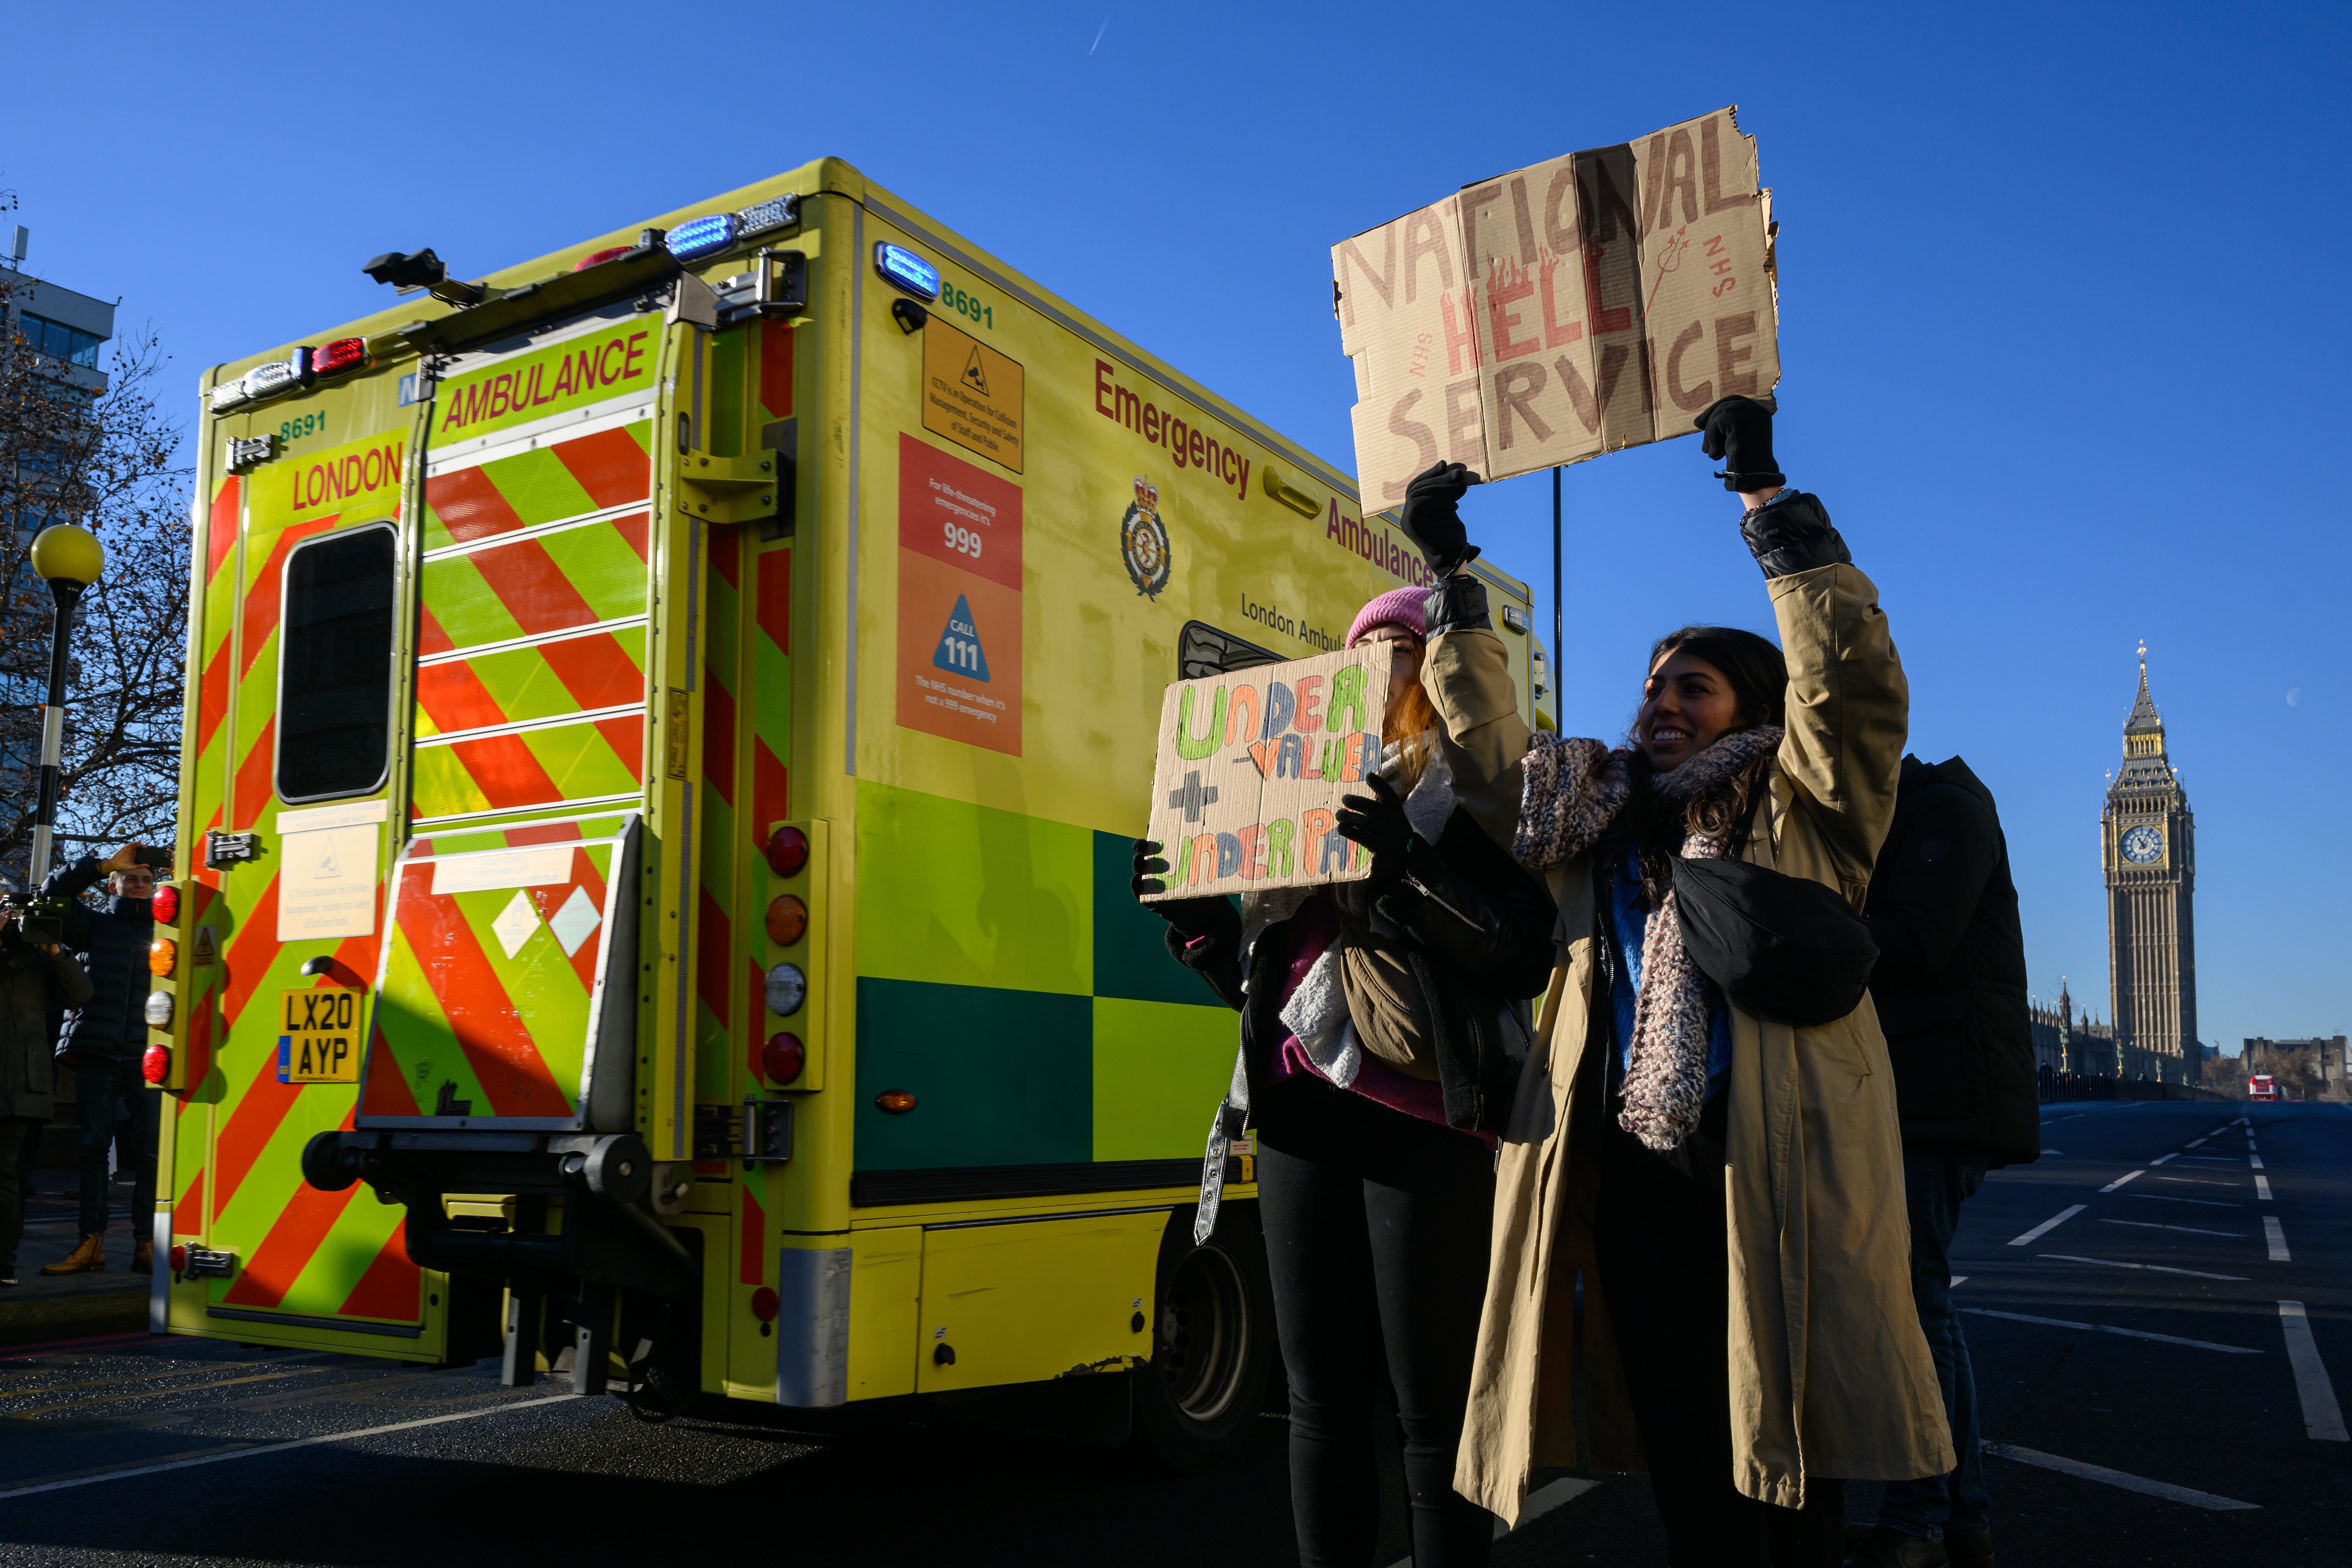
x=598 y=258
x=158 y=1011
x=787 y=920
x=701 y=236
x=342 y=355
x=782 y=1058
x=165 y=903
x=787 y=989
x=161 y=954
x=156 y=1064
x=787 y=851
x=903 y=268
x=180 y=1259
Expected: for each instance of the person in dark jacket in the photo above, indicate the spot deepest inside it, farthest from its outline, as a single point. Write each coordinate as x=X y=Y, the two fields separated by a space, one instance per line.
x=1951 y=992
x=33 y=981
x=1383 y=1023
x=104 y=1042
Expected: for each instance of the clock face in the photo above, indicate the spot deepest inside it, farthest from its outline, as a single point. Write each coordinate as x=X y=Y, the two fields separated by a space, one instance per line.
x=2143 y=844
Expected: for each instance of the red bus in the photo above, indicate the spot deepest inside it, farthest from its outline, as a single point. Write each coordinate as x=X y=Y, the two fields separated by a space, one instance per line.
x=2262 y=1086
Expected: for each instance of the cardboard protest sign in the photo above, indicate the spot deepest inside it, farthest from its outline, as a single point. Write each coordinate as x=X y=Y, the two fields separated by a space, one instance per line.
x=1252 y=768
x=1589 y=303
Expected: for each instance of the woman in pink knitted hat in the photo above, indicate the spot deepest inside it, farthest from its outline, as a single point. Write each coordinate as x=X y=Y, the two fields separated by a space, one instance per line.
x=1383 y=1023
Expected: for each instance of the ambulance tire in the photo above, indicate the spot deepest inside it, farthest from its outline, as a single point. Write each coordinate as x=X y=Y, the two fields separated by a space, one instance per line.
x=1212 y=1345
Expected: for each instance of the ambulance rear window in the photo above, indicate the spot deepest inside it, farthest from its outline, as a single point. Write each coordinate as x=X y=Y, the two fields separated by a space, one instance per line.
x=334 y=666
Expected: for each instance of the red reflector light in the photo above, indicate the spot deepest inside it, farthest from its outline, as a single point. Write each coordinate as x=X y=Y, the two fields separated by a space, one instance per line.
x=592 y=259
x=764 y=1303
x=787 y=851
x=782 y=1057
x=896 y=1101
x=179 y=1260
x=165 y=903
x=787 y=919
x=342 y=354
x=156 y=1064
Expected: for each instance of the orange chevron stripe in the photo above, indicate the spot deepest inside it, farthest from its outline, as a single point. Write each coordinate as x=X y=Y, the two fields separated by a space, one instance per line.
x=220 y=528
x=255 y=781
x=212 y=696
x=534 y=589
x=249 y=952
x=626 y=736
x=468 y=505
x=776 y=370
x=386 y=1092
x=771 y=791
x=505 y=771
x=610 y=466
x=453 y=696
x=480 y=1013
x=430 y=636
x=261 y=600
x=293 y=1239
x=250 y=1127
x=595 y=671
x=188 y=1213
x=391 y=1286
x=776 y=598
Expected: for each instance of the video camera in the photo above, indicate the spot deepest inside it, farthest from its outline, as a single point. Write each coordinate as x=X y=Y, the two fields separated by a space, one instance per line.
x=34 y=922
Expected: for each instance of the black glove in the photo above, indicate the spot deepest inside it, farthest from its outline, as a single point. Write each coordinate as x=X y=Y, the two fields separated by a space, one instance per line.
x=1794 y=533
x=1378 y=822
x=1191 y=917
x=1456 y=604
x=1432 y=520
x=1739 y=430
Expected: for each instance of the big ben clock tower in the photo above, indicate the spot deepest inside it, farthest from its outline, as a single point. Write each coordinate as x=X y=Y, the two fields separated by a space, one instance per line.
x=2147 y=840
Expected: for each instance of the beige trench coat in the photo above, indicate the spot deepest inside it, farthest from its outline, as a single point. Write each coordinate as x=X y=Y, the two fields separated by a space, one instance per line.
x=1830 y=1373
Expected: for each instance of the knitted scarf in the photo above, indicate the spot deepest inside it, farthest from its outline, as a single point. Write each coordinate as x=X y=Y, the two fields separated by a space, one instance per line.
x=1576 y=790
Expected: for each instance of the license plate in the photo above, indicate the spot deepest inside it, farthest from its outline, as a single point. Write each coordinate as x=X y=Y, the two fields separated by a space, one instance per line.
x=321 y=1039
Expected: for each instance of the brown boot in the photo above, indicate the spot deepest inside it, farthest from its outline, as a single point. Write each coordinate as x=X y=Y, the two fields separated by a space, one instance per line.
x=87 y=1258
x=142 y=1257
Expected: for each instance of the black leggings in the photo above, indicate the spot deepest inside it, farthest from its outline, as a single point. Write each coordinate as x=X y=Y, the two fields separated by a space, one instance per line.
x=1379 y=1239
x=1660 y=1235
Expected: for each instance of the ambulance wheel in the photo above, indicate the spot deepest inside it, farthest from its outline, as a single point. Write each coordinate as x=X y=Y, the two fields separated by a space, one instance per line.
x=1213 y=1345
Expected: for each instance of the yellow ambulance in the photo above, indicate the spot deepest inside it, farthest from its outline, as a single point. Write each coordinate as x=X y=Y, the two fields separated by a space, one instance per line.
x=665 y=725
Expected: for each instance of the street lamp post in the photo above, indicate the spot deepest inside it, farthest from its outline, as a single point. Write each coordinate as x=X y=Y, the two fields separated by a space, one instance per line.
x=69 y=559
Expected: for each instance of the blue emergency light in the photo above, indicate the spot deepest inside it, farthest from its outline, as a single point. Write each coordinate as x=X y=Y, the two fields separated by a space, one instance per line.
x=699 y=236
x=907 y=270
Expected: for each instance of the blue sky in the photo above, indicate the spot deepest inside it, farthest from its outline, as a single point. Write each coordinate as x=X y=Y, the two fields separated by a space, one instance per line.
x=2062 y=318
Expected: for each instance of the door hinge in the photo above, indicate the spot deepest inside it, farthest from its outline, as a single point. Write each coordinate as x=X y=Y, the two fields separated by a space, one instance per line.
x=226 y=849
x=729 y=490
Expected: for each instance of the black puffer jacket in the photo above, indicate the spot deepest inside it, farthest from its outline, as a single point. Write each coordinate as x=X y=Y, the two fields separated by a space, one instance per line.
x=111 y=944
x=1479 y=929
x=32 y=984
x=1950 y=982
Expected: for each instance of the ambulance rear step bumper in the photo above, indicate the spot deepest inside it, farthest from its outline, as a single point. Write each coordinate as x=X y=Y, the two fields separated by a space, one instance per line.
x=609 y=1234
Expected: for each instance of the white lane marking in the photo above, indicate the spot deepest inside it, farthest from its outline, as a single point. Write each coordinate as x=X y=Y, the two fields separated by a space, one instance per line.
x=2193 y=1230
x=2160 y=1159
x=2194 y=1498
x=2151 y=1268
x=2048 y=1151
x=2277 y=1237
x=2111 y=1329
x=1957 y=1279
x=279 y=1447
x=2119 y=1181
x=2168 y=1198
x=2322 y=1418
x=2261 y=1186
x=2198 y=1181
x=2212 y=1159
x=2199 y=1142
x=2052 y=1223
x=2256 y=1160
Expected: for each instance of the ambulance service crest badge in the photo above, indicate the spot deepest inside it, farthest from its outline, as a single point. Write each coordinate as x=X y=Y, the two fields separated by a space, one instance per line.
x=1144 y=540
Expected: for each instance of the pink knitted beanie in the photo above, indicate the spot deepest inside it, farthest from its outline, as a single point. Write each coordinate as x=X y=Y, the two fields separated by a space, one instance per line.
x=1397 y=607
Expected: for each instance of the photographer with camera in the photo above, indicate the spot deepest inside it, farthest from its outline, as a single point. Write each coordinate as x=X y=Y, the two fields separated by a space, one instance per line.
x=33 y=981
x=104 y=1040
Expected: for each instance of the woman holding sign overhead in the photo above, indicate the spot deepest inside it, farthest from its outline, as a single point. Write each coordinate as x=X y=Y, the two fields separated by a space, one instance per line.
x=1383 y=1023
x=1702 y=1156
